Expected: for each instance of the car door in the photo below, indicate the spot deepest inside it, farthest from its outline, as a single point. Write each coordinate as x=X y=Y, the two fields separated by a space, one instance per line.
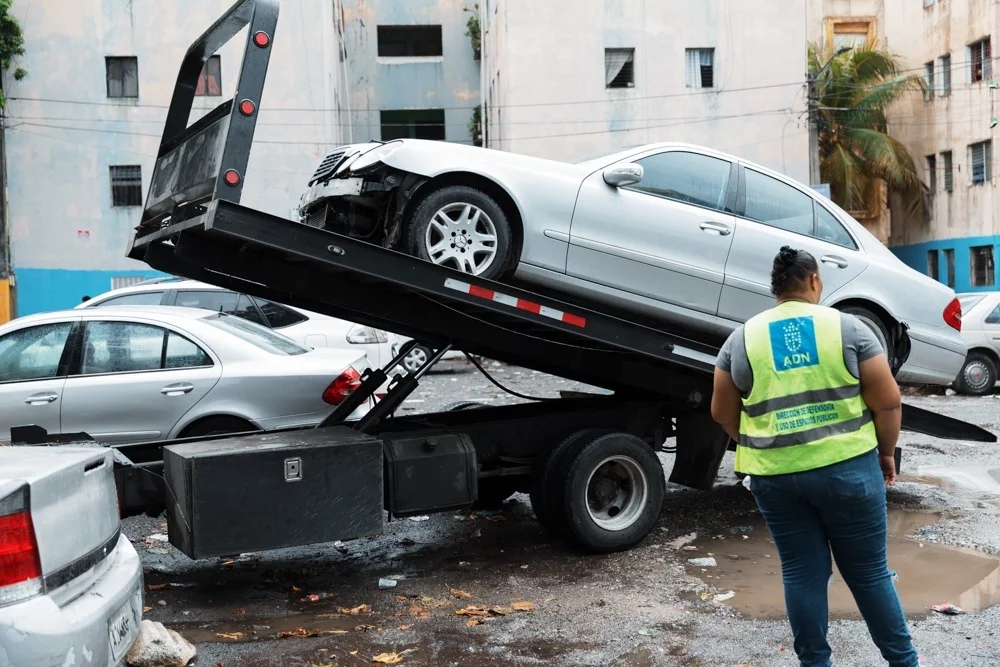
x=135 y=381
x=773 y=213
x=32 y=376
x=991 y=323
x=666 y=238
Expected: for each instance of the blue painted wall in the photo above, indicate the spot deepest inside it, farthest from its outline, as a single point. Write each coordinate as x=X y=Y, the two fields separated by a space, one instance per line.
x=915 y=256
x=43 y=290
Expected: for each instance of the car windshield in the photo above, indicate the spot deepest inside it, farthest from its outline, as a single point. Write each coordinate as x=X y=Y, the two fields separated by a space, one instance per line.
x=255 y=334
x=595 y=156
x=969 y=301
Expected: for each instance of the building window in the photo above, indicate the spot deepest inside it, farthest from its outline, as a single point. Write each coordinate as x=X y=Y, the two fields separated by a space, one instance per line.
x=981 y=266
x=122 y=76
x=980 y=156
x=979 y=61
x=118 y=282
x=949 y=267
x=210 y=80
x=619 y=68
x=413 y=124
x=928 y=3
x=932 y=264
x=126 y=185
x=850 y=33
x=945 y=66
x=700 y=68
x=929 y=80
x=949 y=179
x=403 y=41
x=932 y=173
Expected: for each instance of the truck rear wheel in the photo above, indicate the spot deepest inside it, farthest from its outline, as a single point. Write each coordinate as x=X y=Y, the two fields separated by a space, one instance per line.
x=546 y=487
x=612 y=489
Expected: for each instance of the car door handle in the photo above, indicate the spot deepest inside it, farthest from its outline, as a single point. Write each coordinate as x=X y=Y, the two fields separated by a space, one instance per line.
x=41 y=399
x=178 y=389
x=716 y=227
x=839 y=262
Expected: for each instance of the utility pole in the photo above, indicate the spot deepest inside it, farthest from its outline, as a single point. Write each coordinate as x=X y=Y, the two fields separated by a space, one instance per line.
x=813 y=131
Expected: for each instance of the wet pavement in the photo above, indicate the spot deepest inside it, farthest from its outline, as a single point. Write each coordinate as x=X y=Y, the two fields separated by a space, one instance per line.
x=493 y=588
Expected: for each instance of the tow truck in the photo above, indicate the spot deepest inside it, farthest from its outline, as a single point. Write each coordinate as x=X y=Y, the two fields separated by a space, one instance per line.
x=589 y=461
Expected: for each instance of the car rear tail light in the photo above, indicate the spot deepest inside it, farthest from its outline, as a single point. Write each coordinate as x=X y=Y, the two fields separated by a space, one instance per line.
x=953 y=315
x=20 y=568
x=345 y=385
x=359 y=335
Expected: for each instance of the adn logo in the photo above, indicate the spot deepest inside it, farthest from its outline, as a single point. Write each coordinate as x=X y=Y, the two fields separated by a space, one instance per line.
x=793 y=343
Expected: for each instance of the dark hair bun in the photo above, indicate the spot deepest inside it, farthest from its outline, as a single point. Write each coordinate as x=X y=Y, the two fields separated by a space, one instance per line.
x=791 y=269
x=788 y=255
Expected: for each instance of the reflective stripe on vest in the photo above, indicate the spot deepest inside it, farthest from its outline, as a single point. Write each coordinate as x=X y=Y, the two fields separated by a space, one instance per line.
x=805 y=409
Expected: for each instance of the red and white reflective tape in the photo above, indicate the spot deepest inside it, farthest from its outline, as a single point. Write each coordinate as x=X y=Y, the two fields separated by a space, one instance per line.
x=514 y=302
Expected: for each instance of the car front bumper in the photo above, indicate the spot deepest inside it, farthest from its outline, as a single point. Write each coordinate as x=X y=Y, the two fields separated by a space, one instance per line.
x=39 y=633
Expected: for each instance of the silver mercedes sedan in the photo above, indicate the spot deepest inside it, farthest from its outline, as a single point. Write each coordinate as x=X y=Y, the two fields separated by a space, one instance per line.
x=127 y=374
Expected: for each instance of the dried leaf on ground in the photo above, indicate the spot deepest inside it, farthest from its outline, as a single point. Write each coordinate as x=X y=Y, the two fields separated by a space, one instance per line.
x=147 y=609
x=497 y=518
x=296 y=589
x=297 y=632
x=388 y=658
x=473 y=622
x=473 y=610
x=355 y=611
x=364 y=628
x=239 y=612
x=231 y=635
x=460 y=594
x=354 y=652
x=501 y=611
x=524 y=606
x=404 y=627
x=155 y=587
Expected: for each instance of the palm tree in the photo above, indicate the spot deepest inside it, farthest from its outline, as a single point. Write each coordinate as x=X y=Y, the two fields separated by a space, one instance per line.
x=857 y=155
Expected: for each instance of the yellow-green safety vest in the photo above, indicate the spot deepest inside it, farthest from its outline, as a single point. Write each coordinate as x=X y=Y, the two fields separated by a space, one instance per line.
x=805 y=409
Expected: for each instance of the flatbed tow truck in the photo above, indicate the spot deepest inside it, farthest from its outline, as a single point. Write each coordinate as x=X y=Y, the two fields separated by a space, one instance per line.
x=588 y=461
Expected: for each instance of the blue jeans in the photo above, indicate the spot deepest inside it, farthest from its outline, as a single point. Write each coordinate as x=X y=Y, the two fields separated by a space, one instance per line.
x=840 y=507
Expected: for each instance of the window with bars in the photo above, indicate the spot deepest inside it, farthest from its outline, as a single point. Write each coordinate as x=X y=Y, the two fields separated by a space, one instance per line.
x=126 y=185
x=946 y=168
x=929 y=80
x=700 y=68
x=980 y=156
x=402 y=41
x=619 y=68
x=932 y=264
x=210 y=80
x=118 y=282
x=949 y=267
x=981 y=272
x=412 y=124
x=980 y=64
x=122 y=75
x=931 y=173
x=944 y=86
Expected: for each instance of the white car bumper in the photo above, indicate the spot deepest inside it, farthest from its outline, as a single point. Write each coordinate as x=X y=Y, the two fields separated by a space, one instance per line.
x=933 y=359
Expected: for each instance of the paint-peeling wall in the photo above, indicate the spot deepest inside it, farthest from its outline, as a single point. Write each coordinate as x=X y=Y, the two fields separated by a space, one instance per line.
x=551 y=99
x=449 y=82
x=64 y=132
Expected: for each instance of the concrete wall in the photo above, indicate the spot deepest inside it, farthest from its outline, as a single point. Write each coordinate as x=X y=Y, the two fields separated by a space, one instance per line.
x=64 y=132
x=449 y=82
x=545 y=65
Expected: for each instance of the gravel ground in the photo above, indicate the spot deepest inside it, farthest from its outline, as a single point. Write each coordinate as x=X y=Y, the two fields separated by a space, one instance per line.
x=639 y=608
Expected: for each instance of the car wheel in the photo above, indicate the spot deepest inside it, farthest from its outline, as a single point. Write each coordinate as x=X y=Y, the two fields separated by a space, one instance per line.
x=462 y=228
x=874 y=322
x=217 y=426
x=978 y=376
x=417 y=357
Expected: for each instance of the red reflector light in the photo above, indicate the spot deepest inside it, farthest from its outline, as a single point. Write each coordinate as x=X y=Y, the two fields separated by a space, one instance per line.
x=261 y=39
x=953 y=315
x=232 y=177
x=345 y=385
x=18 y=550
x=247 y=108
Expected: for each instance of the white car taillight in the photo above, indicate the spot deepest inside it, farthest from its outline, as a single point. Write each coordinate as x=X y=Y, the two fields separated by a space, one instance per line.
x=359 y=335
x=20 y=568
x=345 y=385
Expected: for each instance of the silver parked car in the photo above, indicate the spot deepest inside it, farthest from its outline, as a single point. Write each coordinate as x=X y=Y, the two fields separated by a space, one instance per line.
x=681 y=235
x=142 y=373
x=981 y=333
x=70 y=582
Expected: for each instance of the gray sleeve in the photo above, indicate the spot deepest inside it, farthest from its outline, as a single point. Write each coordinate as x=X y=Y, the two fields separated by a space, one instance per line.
x=724 y=360
x=733 y=359
x=860 y=343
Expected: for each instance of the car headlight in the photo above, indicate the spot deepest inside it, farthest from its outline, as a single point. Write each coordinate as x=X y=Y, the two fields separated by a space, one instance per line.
x=359 y=335
x=374 y=157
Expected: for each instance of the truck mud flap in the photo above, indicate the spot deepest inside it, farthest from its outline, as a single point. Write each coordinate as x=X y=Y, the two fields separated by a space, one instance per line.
x=930 y=423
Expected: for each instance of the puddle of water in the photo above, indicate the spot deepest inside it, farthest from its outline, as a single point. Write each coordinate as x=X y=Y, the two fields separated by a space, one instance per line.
x=928 y=575
x=256 y=629
x=973 y=478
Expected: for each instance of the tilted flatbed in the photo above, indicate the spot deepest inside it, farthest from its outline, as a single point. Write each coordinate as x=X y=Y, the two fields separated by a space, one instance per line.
x=589 y=461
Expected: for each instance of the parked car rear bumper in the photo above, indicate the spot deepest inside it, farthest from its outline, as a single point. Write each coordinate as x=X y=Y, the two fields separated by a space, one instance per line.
x=40 y=633
x=933 y=359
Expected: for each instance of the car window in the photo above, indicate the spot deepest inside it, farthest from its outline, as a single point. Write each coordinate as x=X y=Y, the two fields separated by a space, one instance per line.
x=137 y=299
x=220 y=301
x=994 y=317
x=969 y=301
x=246 y=309
x=121 y=347
x=279 y=316
x=687 y=177
x=255 y=334
x=33 y=353
x=182 y=353
x=829 y=228
x=778 y=204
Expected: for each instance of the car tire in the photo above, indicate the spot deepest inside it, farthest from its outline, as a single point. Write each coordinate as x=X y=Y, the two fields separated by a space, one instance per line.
x=877 y=327
x=601 y=515
x=469 y=255
x=544 y=485
x=217 y=426
x=417 y=357
x=978 y=376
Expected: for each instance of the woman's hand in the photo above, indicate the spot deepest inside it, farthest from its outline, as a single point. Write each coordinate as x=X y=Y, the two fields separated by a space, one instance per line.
x=888 y=465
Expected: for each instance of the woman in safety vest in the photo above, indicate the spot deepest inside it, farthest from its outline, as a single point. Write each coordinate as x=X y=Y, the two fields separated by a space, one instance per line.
x=809 y=397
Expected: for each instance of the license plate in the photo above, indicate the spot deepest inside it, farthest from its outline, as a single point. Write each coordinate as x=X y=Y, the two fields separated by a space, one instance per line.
x=122 y=630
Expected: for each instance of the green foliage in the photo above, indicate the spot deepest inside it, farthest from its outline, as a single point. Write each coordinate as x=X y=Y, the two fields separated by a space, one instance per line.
x=476 y=125
x=11 y=45
x=856 y=152
x=472 y=30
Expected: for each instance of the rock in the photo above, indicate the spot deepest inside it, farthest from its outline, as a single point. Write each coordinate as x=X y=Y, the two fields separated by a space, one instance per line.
x=702 y=562
x=386 y=583
x=157 y=646
x=950 y=392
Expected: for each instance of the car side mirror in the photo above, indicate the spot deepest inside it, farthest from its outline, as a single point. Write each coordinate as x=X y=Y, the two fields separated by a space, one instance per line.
x=624 y=174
